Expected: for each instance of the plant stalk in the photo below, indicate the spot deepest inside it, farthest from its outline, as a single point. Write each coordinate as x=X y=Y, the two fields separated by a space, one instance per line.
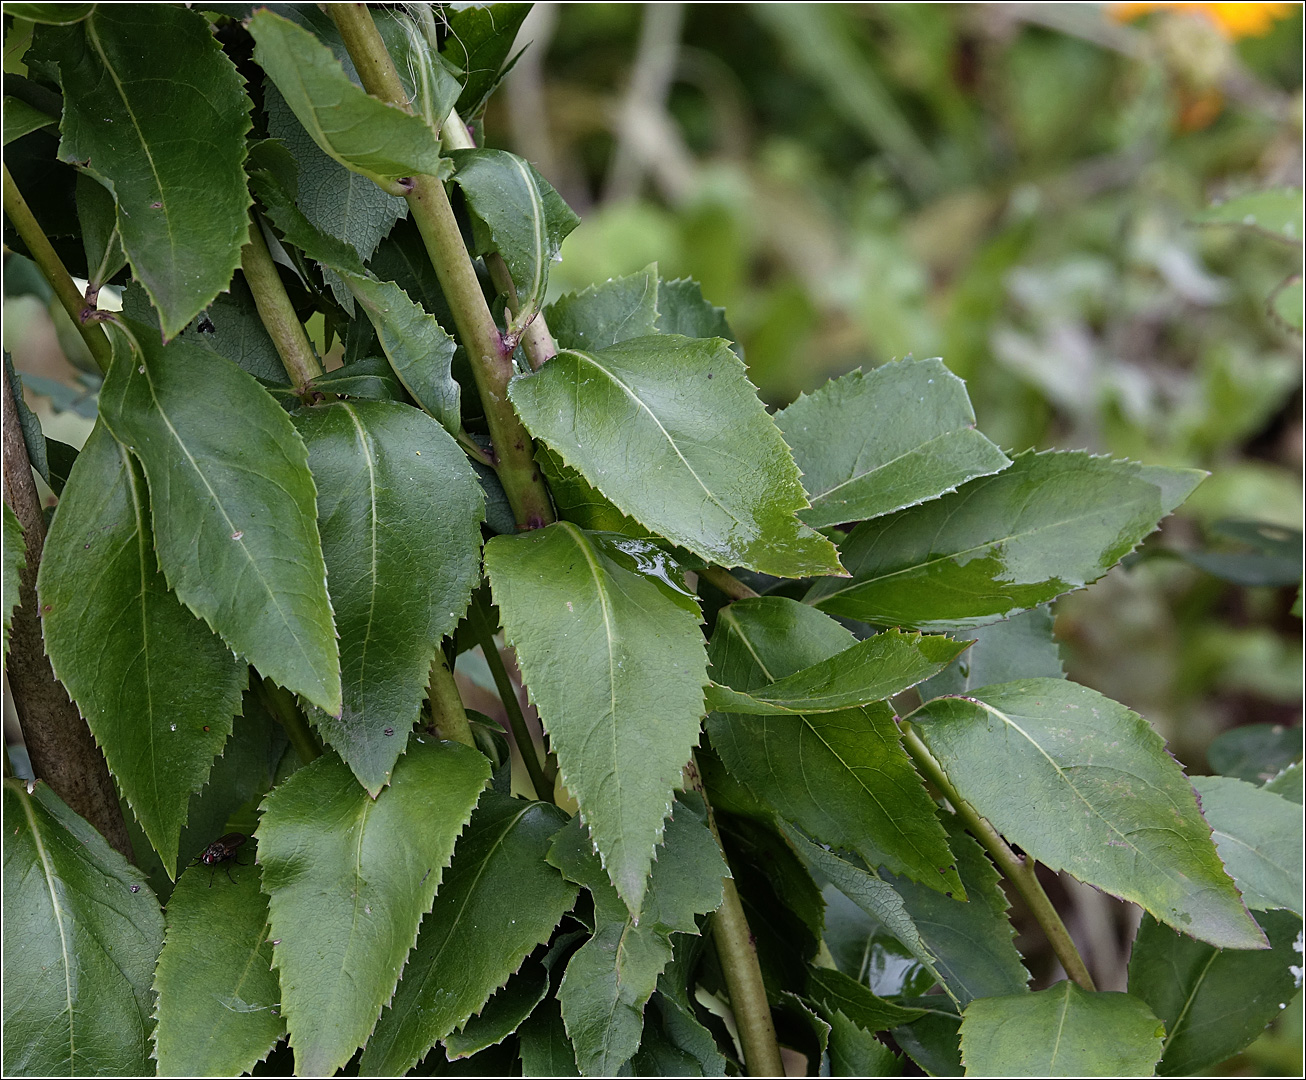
x=1019 y=871
x=491 y=360
x=511 y=705
x=724 y=580
x=59 y=742
x=281 y=703
x=448 y=716
x=82 y=313
x=737 y=953
x=278 y=314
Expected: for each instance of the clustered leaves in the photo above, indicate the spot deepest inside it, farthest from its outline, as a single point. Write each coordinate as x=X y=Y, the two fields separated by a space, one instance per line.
x=233 y=549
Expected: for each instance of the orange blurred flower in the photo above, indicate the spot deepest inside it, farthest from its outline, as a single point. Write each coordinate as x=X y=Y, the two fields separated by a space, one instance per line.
x=1233 y=20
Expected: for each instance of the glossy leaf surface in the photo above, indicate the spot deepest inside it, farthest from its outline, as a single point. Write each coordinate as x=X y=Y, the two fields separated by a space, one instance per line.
x=1214 y=1002
x=157 y=687
x=15 y=558
x=1258 y=834
x=399 y=513
x=616 y=665
x=671 y=431
x=498 y=900
x=869 y=671
x=1022 y=647
x=419 y=350
x=1061 y=1031
x=610 y=979
x=515 y=212
x=842 y=776
x=1083 y=784
x=607 y=313
x=873 y=442
x=1050 y=523
x=349 y=880
x=133 y=77
x=219 y=1009
x=234 y=507
x=82 y=931
x=359 y=131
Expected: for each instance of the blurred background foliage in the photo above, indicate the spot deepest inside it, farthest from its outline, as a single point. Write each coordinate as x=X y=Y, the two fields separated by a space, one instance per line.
x=1015 y=188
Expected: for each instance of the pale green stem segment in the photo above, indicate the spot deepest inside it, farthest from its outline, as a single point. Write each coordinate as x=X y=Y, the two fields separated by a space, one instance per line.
x=82 y=313
x=448 y=716
x=278 y=313
x=536 y=341
x=738 y=957
x=724 y=580
x=1019 y=871
x=491 y=360
x=511 y=705
x=281 y=704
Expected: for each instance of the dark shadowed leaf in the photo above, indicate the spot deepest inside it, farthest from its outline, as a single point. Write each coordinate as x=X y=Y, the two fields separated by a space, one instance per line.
x=545 y=1048
x=157 y=687
x=82 y=931
x=234 y=506
x=1083 y=784
x=873 y=442
x=616 y=665
x=1050 y=523
x=670 y=430
x=349 y=880
x=503 y=1014
x=15 y=558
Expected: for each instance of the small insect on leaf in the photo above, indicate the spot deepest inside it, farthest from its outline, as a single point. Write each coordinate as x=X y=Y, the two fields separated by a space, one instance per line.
x=221 y=850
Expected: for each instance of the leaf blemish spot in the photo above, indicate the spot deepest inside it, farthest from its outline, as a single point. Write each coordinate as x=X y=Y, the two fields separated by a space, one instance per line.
x=237 y=535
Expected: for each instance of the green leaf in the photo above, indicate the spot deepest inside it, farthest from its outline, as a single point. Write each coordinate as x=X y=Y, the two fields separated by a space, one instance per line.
x=503 y=1014
x=362 y=133
x=399 y=513
x=60 y=457
x=156 y=686
x=1255 y=752
x=133 y=76
x=1085 y=785
x=1288 y=304
x=545 y=1048
x=22 y=119
x=349 y=879
x=1022 y=647
x=933 y=1042
x=1050 y=523
x=1061 y=1031
x=479 y=41
x=97 y=212
x=682 y=310
x=54 y=14
x=681 y=1029
x=616 y=666
x=1259 y=838
x=219 y=999
x=498 y=901
x=416 y=345
x=576 y=501
x=515 y=212
x=869 y=671
x=81 y=933
x=868 y=891
x=234 y=330
x=29 y=424
x=841 y=776
x=1276 y=212
x=1214 y=1002
x=15 y=558
x=610 y=978
x=869 y=443
x=854 y=1051
x=369 y=379
x=234 y=504
x=972 y=942
x=1288 y=783
x=671 y=431
x=832 y=991
x=603 y=315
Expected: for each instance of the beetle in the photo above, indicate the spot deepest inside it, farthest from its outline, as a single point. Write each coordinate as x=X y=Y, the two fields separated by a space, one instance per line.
x=222 y=849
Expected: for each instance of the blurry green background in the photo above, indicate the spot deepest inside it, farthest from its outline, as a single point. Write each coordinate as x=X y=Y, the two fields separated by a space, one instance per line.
x=1011 y=187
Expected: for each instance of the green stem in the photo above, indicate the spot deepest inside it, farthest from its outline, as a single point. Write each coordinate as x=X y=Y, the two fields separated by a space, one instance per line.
x=83 y=314
x=490 y=359
x=448 y=716
x=738 y=956
x=727 y=582
x=1019 y=871
x=511 y=705
x=278 y=313
x=281 y=704
x=536 y=341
